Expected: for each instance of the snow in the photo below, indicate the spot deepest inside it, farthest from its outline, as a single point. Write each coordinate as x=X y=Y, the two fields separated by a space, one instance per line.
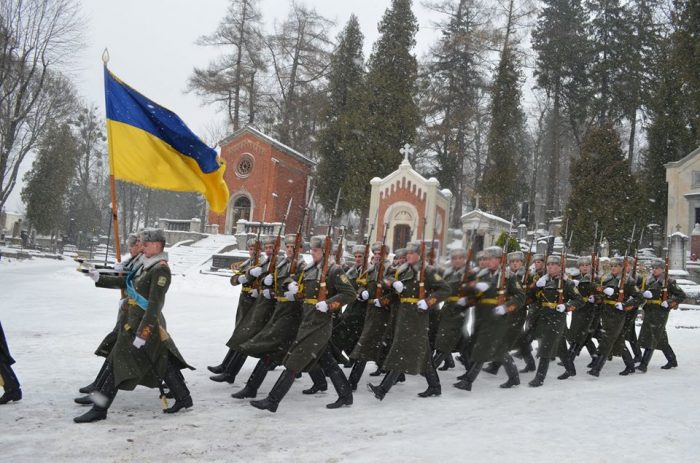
x=54 y=318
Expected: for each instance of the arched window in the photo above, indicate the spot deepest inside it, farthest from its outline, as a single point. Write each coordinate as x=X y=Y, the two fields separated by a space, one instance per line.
x=241 y=210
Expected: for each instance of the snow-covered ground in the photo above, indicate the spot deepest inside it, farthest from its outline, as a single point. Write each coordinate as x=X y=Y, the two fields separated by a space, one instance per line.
x=54 y=318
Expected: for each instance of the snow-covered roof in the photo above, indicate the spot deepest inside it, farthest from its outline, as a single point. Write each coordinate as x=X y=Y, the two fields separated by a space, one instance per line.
x=683 y=160
x=485 y=215
x=268 y=139
x=405 y=168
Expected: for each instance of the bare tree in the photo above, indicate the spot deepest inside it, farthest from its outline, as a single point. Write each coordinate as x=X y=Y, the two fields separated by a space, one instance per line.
x=37 y=37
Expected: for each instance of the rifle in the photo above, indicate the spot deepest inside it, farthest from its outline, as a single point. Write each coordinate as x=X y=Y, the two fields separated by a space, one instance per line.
x=323 y=290
x=470 y=256
x=664 y=290
x=298 y=239
x=563 y=267
x=339 y=251
x=379 y=291
x=623 y=276
x=272 y=267
x=421 y=278
x=504 y=264
x=432 y=245
x=527 y=262
x=636 y=255
x=367 y=246
x=594 y=256
x=256 y=259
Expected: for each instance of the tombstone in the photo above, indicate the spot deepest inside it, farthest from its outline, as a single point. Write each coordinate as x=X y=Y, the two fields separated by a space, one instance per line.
x=695 y=242
x=676 y=251
x=542 y=246
x=604 y=248
x=522 y=232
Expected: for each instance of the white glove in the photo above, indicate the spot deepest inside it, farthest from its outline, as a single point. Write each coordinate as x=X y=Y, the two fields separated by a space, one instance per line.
x=378 y=303
x=267 y=294
x=364 y=295
x=254 y=293
x=608 y=291
x=664 y=304
x=576 y=282
x=647 y=294
x=267 y=281
x=94 y=274
x=293 y=287
x=255 y=271
x=398 y=286
x=591 y=299
x=542 y=281
x=242 y=279
x=289 y=296
x=561 y=308
x=481 y=286
x=462 y=301
x=322 y=306
x=422 y=305
x=619 y=306
x=121 y=301
x=500 y=310
x=139 y=342
x=119 y=266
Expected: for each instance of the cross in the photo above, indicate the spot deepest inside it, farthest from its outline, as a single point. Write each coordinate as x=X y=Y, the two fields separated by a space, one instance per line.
x=406 y=150
x=476 y=198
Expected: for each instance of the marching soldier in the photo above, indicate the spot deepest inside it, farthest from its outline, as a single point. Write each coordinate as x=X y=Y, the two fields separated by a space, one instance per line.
x=144 y=353
x=555 y=296
x=661 y=297
x=134 y=246
x=631 y=316
x=311 y=344
x=233 y=361
x=582 y=319
x=8 y=379
x=410 y=349
x=493 y=302
x=612 y=316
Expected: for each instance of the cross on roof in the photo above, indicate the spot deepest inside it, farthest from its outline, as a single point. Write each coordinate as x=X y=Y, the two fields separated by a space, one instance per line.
x=406 y=150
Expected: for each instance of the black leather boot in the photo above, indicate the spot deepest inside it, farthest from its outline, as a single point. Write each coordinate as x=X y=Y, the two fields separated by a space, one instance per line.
x=342 y=387
x=218 y=369
x=568 y=362
x=383 y=388
x=629 y=363
x=590 y=347
x=466 y=383
x=597 y=365
x=671 y=358
x=541 y=374
x=101 y=398
x=93 y=386
x=492 y=368
x=83 y=400
x=646 y=358
x=279 y=390
x=434 y=388
x=511 y=371
x=378 y=371
x=250 y=390
x=176 y=383
x=356 y=373
x=13 y=392
x=529 y=362
x=320 y=383
x=449 y=362
x=231 y=369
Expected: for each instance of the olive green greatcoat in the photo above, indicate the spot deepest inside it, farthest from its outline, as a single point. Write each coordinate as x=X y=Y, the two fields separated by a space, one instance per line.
x=612 y=320
x=583 y=317
x=551 y=326
x=653 y=333
x=518 y=317
x=369 y=346
x=489 y=339
x=316 y=327
x=452 y=316
x=279 y=332
x=145 y=366
x=246 y=300
x=410 y=347
x=347 y=332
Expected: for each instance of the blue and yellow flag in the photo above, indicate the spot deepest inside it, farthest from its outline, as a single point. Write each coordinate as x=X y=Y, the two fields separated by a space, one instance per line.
x=151 y=146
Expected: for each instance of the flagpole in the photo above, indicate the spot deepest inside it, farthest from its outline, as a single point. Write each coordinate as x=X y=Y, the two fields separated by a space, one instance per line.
x=112 y=183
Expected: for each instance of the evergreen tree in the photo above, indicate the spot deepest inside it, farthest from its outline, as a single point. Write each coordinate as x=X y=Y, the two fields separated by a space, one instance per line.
x=341 y=141
x=391 y=92
x=501 y=185
x=603 y=190
x=47 y=183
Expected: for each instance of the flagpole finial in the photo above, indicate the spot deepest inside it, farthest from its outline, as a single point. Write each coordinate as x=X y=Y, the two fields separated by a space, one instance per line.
x=105 y=56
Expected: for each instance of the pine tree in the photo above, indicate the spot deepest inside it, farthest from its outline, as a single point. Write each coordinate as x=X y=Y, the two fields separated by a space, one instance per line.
x=47 y=183
x=603 y=190
x=391 y=90
x=341 y=140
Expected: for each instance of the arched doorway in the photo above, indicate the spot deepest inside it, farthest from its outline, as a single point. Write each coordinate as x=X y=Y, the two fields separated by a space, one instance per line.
x=240 y=210
x=402 y=234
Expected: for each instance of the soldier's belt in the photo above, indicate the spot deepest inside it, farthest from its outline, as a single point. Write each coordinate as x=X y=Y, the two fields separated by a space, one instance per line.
x=284 y=299
x=452 y=299
x=488 y=300
x=610 y=302
x=409 y=300
x=549 y=305
x=310 y=301
x=131 y=301
x=247 y=290
x=654 y=301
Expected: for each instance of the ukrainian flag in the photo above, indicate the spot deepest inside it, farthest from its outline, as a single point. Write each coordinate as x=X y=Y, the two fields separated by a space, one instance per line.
x=151 y=146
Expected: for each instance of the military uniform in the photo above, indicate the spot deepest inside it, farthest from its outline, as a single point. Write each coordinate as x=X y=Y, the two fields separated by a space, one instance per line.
x=653 y=333
x=144 y=353
x=8 y=379
x=311 y=344
x=582 y=319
